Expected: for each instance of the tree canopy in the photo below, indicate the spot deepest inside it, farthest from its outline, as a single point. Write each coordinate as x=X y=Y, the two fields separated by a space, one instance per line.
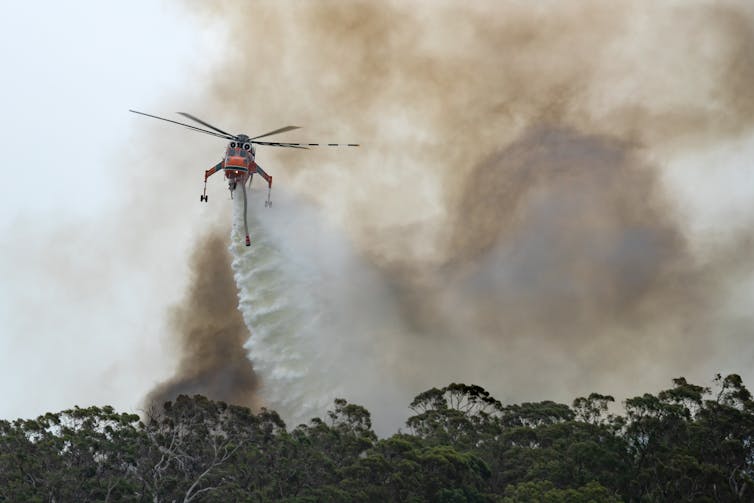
x=686 y=443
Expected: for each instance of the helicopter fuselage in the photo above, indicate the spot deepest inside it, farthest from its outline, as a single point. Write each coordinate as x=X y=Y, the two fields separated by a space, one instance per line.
x=238 y=164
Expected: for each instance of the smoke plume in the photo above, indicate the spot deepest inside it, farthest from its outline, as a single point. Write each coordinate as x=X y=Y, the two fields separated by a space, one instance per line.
x=507 y=214
x=209 y=333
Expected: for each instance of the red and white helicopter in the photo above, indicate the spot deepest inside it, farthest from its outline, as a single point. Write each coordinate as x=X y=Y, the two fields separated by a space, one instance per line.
x=239 y=161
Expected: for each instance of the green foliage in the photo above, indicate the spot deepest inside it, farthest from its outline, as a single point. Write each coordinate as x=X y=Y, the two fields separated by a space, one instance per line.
x=458 y=414
x=686 y=443
x=545 y=492
x=593 y=409
x=75 y=455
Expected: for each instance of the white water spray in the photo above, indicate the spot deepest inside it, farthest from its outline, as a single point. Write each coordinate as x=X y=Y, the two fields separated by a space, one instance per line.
x=317 y=330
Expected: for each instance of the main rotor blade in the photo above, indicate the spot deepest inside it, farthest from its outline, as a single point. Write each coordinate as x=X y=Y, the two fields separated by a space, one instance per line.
x=304 y=145
x=280 y=144
x=281 y=130
x=207 y=124
x=226 y=137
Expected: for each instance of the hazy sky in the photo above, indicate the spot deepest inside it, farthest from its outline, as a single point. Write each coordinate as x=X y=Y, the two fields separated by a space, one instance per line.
x=71 y=70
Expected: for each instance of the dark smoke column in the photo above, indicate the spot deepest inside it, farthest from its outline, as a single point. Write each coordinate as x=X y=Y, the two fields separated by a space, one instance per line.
x=210 y=333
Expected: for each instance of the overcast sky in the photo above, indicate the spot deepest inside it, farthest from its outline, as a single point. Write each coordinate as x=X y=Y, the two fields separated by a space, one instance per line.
x=71 y=70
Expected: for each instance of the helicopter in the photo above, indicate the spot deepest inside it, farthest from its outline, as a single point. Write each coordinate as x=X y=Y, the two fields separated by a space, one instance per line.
x=239 y=161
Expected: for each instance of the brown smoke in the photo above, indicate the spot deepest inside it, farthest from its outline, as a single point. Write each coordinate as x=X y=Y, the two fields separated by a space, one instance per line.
x=509 y=188
x=564 y=208
x=210 y=333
